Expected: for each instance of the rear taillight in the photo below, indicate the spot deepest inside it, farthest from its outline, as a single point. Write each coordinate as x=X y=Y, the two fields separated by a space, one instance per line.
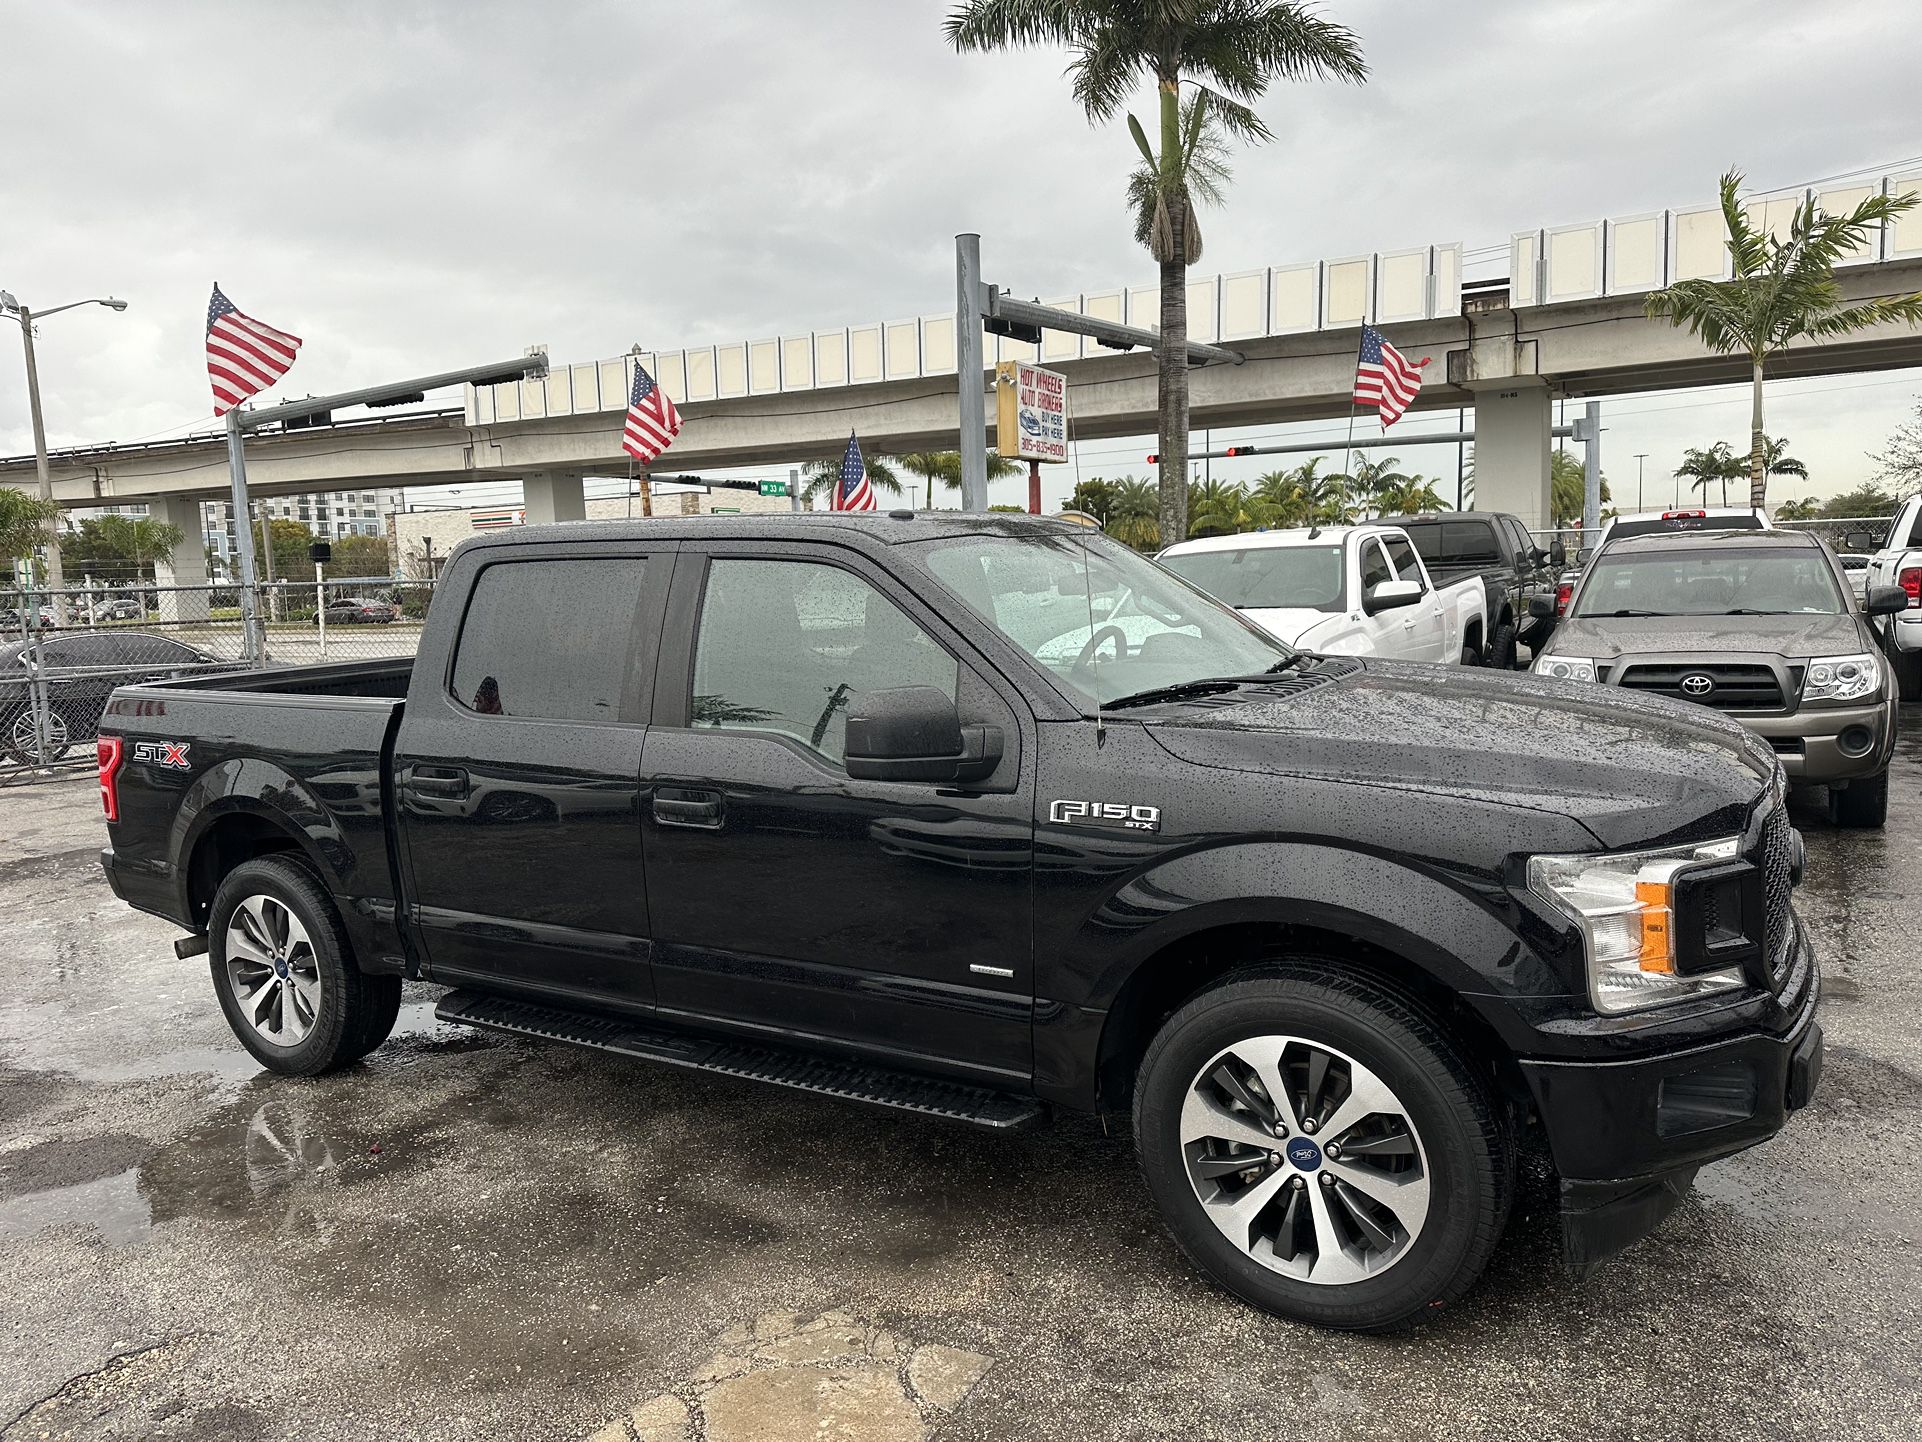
x=1910 y=580
x=109 y=751
x=1562 y=593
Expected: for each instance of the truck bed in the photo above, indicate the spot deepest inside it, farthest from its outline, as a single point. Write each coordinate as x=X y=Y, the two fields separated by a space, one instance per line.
x=384 y=679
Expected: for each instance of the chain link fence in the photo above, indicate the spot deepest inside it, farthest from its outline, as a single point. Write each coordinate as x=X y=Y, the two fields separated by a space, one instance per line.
x=63 y=653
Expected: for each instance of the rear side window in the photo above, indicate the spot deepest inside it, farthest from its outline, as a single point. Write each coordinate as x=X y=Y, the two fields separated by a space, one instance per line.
x=1454 y=543
x=558 y=640
x=1374 y=565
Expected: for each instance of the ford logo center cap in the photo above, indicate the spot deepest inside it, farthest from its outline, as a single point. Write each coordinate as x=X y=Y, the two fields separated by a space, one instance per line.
x=1304 y=1154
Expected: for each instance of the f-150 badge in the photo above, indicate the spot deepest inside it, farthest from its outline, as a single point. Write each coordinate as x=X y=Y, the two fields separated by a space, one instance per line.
x=1105 y=813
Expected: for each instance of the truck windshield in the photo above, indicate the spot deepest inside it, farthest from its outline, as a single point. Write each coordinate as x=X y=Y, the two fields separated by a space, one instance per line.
x=1708 y=581
x=1266 y=577
x=1102 y=618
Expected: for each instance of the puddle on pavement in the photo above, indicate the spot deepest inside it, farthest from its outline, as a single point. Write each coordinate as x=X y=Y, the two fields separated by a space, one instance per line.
x=112 y=1206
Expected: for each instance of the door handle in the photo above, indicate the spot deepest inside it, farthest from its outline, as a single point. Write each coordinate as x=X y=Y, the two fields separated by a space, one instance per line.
x=678 y=806
x=438 y=783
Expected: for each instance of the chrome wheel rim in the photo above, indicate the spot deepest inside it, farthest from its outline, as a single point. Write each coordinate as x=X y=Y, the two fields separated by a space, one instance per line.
x=272 y=969
x=26 y=742
x=1305 y=1160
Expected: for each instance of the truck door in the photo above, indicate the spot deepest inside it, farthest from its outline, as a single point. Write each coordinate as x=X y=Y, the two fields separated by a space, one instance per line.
x=789 y=899
x=517 y=773
x=1386 y=633
x=1426 y=626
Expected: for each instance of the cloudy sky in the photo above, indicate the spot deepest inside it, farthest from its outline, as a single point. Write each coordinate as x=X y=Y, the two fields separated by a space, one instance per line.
x=417 y=186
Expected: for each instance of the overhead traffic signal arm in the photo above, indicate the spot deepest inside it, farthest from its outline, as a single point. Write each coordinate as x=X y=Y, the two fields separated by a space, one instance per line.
x=1024 y=320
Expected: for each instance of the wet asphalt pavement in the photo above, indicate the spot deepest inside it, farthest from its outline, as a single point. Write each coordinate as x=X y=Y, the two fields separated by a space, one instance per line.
x=476 y=1238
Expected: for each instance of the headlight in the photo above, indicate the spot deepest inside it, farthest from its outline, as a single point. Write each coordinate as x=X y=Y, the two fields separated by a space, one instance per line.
x=1565 y=668
x=1842 y=678
x=1624 y=903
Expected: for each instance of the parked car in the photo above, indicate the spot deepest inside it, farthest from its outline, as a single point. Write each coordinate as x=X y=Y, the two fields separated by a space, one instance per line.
x=1897 y=561
x=358 y=610
x=1759 y=625
x=1495 y=547
x=1321 y=927
x=1701 y=518
x=120 y=608
x=1340 y=590
x=1856 y=567
x=81 y=670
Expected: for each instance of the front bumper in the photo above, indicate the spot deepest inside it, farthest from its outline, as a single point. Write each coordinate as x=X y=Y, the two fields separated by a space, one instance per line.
x=1628 y=1136
x=1808 y=742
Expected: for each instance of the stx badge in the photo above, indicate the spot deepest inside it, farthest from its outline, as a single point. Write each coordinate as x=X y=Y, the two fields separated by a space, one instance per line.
x=163 y=753
x=1105 y=813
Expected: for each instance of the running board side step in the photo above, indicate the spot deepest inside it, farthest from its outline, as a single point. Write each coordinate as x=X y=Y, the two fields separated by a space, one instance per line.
x=849 y=1080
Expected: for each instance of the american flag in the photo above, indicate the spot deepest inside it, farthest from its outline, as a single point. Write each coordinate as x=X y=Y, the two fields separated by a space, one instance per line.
x=652 y=420
x=1383 y=378
x=852 y=491
x=244 y=357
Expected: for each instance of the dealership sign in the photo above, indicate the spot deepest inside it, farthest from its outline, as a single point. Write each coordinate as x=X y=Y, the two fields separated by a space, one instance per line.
x=1031 y=413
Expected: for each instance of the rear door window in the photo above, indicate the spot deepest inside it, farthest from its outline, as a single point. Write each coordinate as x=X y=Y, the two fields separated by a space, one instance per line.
x=1374 y=565
x=559 y=640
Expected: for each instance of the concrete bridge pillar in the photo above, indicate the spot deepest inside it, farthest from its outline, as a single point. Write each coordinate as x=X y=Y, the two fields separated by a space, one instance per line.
x=553 y=496
x=186 y=566
x=1512 y=441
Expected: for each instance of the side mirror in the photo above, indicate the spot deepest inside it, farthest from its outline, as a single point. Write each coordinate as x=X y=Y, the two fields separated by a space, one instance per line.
x=1390 y=595
x=1863 y=542
x=1557 y=553
x=1541 y=608
x=914 y=733
x=1886 y=600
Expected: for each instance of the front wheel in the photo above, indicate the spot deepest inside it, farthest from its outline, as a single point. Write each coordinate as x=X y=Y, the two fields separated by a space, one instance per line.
x=1908 y=673
x=1501 y=649
x=285 y=974
x=24 y=741
x=1318 y=1147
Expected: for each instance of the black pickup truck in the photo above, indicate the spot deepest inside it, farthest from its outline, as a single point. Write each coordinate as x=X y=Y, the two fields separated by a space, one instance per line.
x=1495 y=546
x=981 y=817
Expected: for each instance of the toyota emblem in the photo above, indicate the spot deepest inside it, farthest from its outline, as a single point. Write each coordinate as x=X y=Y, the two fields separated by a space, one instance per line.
x=1697 y=684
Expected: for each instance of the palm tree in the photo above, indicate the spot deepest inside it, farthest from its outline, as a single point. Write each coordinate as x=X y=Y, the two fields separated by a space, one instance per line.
x=1782 y=290
x=1281 y=494
x=1370 y=479
x=1407 y=497
x=1568 y=490
x=1228 y=52
x=23 y=523
x=945 y=467
x=1094 y=497
x=1806 y=509
x=819 y=478
x=1215 y=507
x=1704 y=468
x=1135 y=515
x=1777 y=462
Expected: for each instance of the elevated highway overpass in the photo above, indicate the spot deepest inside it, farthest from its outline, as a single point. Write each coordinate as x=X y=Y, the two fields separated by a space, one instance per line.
x=1569 y=322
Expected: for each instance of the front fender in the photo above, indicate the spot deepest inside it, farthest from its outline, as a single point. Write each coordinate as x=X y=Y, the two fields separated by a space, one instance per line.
x=1458 y=929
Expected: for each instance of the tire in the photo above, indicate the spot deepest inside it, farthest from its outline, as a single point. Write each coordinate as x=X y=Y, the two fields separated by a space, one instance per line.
x=1863 y=803
x=1501 y=647
x=1471 y=656
x=23 y=741
x=1435 y=1113
x=1908 y=673
x=285 y=959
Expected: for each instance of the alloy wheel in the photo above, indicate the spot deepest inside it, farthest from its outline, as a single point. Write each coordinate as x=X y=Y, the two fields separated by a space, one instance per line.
x=1305 y=1159
x=273 y=970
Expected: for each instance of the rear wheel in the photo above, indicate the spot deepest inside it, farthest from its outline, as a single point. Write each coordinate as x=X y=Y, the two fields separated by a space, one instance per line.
x=285 y=974
x=24 y=739
x=1501 y=650
x=1317 y=1146
x=1908 y=673
x=1864 y=802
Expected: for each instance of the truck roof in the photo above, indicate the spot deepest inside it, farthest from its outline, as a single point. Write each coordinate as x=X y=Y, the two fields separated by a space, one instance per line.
x=892 y=527
x=1658 y=541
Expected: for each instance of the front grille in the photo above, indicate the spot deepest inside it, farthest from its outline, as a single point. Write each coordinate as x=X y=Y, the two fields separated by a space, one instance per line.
x=1776 y=857
x=1731 y=687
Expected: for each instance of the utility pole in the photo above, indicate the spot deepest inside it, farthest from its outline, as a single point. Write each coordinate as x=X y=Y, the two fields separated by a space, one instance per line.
x=1640 y=456
x=56 y=579
x=969 y=366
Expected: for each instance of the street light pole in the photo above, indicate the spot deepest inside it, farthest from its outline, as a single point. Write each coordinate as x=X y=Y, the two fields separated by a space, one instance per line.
x=1640 y=456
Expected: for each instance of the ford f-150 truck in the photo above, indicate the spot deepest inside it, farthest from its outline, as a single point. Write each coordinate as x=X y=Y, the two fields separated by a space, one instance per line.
x=815 y=800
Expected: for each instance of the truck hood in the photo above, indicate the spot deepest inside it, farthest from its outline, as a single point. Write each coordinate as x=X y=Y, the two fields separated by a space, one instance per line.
x=1606 y=637
x=1632 y=770
x=1289 y=623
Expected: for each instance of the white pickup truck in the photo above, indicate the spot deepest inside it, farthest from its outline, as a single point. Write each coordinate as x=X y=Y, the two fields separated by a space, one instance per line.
x=1342 y=590
x=1898 y=562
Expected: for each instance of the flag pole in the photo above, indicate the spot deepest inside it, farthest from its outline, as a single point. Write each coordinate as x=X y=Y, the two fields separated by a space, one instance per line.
x=252 y=639
x=1348 y=446
x=647 y=493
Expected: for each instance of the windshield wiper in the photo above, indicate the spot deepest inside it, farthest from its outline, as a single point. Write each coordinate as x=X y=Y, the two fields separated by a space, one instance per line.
x=1155 y=695
x=1751 y=611
x=1299 y=658
x=1624 y=612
